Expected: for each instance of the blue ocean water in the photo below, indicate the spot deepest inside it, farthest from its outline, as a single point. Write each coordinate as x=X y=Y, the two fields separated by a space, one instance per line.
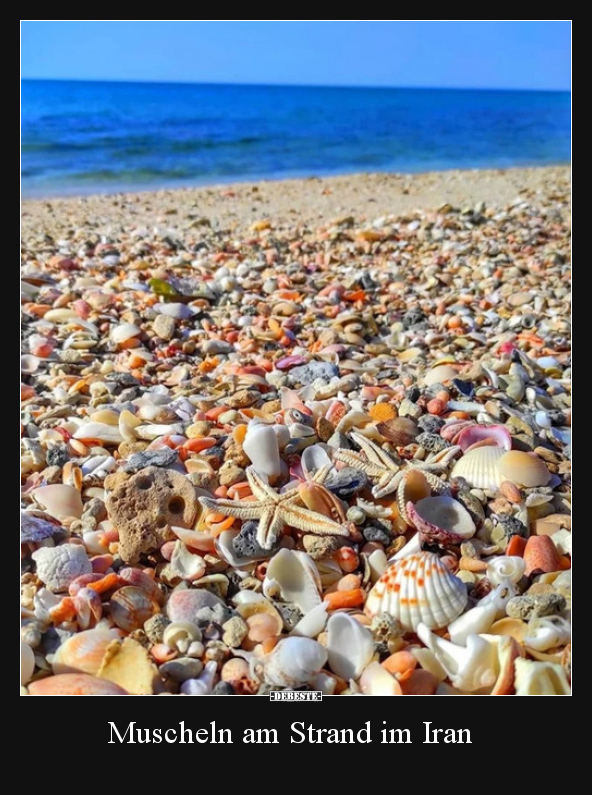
x=81 y=137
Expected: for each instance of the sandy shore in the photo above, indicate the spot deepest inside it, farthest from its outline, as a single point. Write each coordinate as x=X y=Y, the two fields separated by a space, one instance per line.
x=288 y=202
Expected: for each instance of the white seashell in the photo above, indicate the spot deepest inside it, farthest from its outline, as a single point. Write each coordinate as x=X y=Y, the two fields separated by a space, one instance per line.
x=540 y=679
x=151 y=432
x=428 y=661
x=261 y=446
x=246 y=597
x=204 y=684
x=469 y=668
x=29 y=363
x=181 y=632
x=350 y=646
x=58 y=566
x=60 y=316
x=187 y=565
x=225 y=550
x=376 y=681
x=505 y=567
x=99 y=430
x=127 y=422
x=479 y=468
x=27 y=663
x=329 y=570
x=547 y=633
x=59 y=500
x=325 y=683
x=92 y=542
x=440 y=374
x=124 y=332
x=480 y=618
x=313 y=623
x=295 y=578
x=418 y=589
x=178 y=311
x=441 y=519
x=378 y=564
x=282 y=433
x=299 y=431
x=562 y=540
x=294 y=661
x=314 y=458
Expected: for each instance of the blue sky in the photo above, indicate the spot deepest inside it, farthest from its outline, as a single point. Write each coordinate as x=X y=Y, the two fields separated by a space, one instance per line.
x=478 y=54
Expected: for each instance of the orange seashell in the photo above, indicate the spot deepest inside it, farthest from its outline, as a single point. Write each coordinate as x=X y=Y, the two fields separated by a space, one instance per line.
x=516 y=546
x=341 y=599
x=162 y=653
x=75 y=685
x=401 y=664
x=523 y=469
x=540 y=554
x=197 y=445
x=348 y=559
x=419 y=683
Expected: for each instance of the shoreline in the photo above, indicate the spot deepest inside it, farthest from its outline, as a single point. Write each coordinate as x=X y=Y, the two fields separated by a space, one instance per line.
x=311 y=201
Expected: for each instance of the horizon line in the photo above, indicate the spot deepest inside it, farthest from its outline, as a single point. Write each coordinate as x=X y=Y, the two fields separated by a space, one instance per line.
x=286 y=85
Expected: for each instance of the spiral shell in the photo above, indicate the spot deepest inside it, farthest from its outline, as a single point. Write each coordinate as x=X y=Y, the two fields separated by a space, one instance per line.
x=418 y=589
x=479 y=467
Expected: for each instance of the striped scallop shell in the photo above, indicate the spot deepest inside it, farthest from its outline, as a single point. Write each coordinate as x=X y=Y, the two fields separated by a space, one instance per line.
x=479 y=467
x=418 y=589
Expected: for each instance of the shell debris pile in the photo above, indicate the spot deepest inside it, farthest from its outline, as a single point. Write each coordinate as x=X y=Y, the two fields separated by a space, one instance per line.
x=332 y=458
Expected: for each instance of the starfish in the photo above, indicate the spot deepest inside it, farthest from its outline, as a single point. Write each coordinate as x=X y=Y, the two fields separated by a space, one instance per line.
x=379 y=465
x=275 y=510
x=384 y=469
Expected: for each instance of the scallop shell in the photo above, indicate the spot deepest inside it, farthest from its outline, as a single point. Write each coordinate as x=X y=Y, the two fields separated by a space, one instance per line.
x=296 y=578
x=59 y=500
x=418 y=589
x=83 y=652
x=294 y=661
x=523 y=469
x=479 y=468
x=261 y=446
x=441 y=520
x=350 y=646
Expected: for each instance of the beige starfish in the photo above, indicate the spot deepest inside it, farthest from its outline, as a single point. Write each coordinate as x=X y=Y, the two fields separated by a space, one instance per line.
x=275 y=510
x=384 y=469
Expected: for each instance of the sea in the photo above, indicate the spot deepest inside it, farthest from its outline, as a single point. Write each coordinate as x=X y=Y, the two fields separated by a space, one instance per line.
x=90 y=137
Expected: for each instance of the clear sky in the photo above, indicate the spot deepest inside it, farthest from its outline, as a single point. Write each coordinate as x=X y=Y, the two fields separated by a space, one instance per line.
x=512 y=54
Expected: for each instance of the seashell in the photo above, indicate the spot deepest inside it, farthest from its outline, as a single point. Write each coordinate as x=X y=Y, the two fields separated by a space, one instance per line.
x=29 y=363
x=441 y=520
x=124 y=332
x=177 y=311
x=541 y=555
x=130 y=607
x=186 y=604
x=508 y=651
x=314 y=458
x=58 y=566
x=418 y=589
x=469 y=668
x=313 y=623
x=479 y=467
x=83 y=652
x=401 y=431
x=295 y=578
x=181 y=633
x=75 y=685
x=350 y=646
x=505 y=567
x=140 y=579
x=195 y=539
x=319 y=499
x=325 y=683
x=59 y=500
x=480 y=618
x=127 y=664
x=376 y=681
x=513 y=627
x=127 y=422
x=453 y=428
x=187 y=565
x=151 y=432
x=547 y=632
x=261 y=446
x=539 y=679
x=439 y=375
x=378 y=564
x=263 y=621
x=35 y=528
x=294 y=661
x=98 y=430
x=523 y=469
x=204 y=684
x=495 y=435
x=27 y=663
x=412 y=488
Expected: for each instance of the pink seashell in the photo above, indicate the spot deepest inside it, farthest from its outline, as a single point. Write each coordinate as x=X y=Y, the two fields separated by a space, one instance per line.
x=82 y=308
x=167 y=549
x=75 y=685
x=441 y=520
x=296 y=471
x=289 y=361
x=452 y=430
x=498 y=434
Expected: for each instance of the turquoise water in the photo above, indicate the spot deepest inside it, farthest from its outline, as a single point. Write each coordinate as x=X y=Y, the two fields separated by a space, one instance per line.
x=80 y=137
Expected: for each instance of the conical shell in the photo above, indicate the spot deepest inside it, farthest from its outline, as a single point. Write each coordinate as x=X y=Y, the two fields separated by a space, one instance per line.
x=479 y=468
x=296 y=578
x=418 y=589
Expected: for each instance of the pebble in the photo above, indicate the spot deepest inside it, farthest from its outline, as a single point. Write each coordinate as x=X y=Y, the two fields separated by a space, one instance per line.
x=535 y=606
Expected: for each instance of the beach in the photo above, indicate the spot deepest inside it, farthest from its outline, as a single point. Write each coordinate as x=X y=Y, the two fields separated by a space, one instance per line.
x=309 y=434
